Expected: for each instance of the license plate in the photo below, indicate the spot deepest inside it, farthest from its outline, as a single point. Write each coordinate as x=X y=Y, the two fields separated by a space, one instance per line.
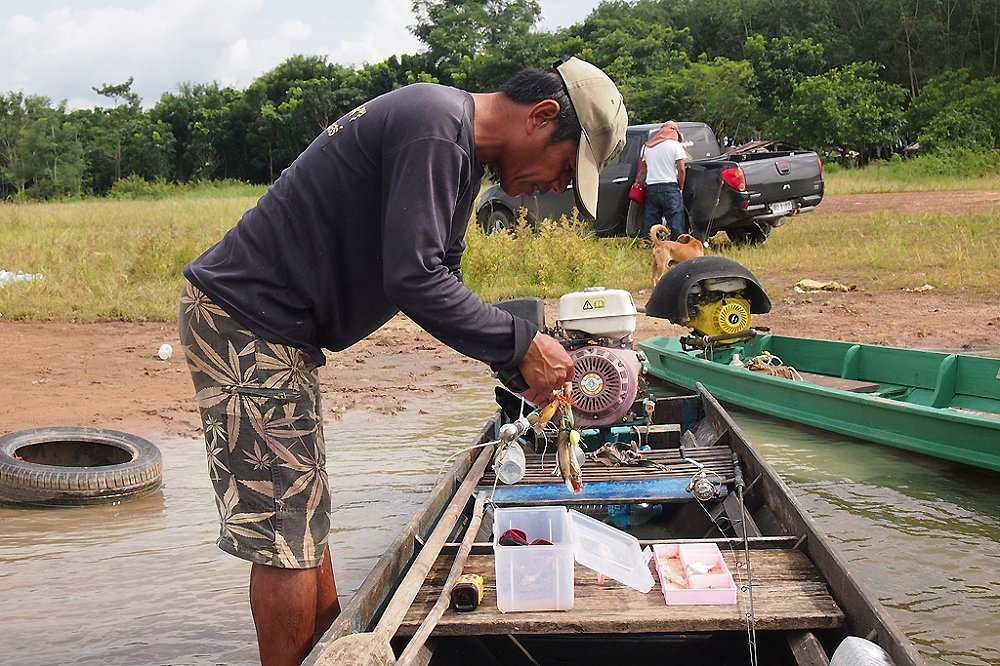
x=781 y=207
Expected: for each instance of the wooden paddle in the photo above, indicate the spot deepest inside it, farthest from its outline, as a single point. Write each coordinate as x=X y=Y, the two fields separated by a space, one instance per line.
x=373 y=648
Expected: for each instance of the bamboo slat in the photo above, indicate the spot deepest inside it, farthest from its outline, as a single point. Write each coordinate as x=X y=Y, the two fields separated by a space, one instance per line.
x=668 y=464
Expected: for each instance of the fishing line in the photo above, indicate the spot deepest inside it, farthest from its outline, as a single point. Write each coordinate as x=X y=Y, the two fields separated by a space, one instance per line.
x=751 y=616
x=450 y=459
x=745 y=587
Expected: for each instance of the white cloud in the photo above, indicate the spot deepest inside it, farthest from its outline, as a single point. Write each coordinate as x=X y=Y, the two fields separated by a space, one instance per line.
x=380 y=32
x=64 y=48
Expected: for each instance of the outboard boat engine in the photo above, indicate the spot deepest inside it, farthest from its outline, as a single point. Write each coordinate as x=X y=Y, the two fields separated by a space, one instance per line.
x=713 y=296
x=596 y=327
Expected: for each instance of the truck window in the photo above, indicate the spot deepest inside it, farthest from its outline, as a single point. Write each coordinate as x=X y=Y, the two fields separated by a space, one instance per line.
x=701 y=143
x=633 y=146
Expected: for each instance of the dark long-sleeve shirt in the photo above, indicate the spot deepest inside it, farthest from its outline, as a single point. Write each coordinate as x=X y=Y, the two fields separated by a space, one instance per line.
x=369 y=220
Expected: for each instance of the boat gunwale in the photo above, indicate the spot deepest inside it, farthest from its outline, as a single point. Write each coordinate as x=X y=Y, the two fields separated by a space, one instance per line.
x=361 y=613
x=948 y=413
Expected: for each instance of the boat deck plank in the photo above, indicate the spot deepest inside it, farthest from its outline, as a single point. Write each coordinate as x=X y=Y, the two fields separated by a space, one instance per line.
x=788 y=594
x=852 y=385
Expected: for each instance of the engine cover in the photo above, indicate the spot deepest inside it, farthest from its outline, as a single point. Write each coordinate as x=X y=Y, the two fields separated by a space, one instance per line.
x=605 y=385
x=698 y=278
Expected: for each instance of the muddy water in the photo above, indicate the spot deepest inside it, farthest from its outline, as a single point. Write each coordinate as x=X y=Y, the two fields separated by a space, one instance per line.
x=924 y=534
x=143 y=583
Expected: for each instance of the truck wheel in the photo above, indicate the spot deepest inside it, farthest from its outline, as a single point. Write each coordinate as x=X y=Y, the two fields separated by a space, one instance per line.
x=496 y=218
x=73 y=466
x=752 y=235
x=634 y=219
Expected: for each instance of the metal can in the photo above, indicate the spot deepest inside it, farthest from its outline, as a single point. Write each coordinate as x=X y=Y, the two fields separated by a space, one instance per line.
x=467 y=592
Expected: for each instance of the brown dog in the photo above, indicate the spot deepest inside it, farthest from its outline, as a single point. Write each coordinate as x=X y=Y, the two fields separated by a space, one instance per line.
x=666 y=253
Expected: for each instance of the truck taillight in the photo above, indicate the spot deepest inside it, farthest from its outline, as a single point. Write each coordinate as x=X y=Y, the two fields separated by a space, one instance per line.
x=820 y=167
x=734 y=178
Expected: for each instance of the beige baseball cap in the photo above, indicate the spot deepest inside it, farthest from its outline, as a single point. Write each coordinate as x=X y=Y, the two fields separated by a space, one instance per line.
x=601 y=110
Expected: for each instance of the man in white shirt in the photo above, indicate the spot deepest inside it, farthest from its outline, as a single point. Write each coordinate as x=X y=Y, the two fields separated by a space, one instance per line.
x=663 y=162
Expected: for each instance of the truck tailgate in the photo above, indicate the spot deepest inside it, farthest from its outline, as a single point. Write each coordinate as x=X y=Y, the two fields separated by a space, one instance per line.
x=776 y=178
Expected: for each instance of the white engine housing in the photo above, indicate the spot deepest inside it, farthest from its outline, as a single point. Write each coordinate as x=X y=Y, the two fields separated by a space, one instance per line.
x=597 y=312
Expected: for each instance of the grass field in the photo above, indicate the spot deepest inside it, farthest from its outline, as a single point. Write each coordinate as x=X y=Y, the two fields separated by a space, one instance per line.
x=121 y=260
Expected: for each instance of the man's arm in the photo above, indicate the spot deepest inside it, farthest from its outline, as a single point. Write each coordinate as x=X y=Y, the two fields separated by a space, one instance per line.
x=420 y=258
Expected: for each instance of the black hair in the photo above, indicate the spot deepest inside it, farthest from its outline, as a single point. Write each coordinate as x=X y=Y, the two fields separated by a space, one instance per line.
x=530 y=86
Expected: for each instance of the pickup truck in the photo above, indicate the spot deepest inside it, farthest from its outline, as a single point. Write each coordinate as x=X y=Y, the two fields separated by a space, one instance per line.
x=743 y=194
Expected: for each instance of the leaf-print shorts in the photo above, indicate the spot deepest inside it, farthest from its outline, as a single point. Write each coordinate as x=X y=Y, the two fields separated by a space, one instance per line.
x=260 y=411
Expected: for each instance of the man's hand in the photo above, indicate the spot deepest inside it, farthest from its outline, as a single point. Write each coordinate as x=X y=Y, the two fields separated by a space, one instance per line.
x=546 y=367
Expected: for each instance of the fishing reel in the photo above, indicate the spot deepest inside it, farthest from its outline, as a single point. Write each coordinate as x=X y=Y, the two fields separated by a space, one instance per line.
x=705 y=486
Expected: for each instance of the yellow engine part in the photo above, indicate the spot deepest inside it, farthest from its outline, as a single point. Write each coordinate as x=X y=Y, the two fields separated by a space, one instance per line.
x=722 y=317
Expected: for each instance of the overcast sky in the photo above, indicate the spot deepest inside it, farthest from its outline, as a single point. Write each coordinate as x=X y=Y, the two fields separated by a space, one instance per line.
x=64 y=48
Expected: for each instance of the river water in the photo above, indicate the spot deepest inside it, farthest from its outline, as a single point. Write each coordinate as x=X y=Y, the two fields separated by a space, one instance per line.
x=142 y=582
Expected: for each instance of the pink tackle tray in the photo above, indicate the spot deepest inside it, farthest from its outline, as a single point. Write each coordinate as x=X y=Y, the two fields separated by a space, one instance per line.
x=679 y=567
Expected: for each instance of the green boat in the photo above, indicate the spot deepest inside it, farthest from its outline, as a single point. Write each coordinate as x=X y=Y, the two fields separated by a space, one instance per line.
x=935 y=403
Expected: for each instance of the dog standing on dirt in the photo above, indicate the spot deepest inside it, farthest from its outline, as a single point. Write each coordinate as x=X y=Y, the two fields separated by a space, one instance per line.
x=666 y=253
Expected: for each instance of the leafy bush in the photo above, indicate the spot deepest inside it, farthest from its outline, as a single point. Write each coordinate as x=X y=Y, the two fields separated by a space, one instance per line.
x=137 y=187
x=958 y=163
x=956 y=128
x=560 y=257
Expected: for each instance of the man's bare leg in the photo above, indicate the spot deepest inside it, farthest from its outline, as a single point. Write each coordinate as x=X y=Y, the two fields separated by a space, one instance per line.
x=290 y=607
x=327 y=601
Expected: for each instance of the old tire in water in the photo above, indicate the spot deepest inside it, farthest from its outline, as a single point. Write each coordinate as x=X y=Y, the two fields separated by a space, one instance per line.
x=74 y=465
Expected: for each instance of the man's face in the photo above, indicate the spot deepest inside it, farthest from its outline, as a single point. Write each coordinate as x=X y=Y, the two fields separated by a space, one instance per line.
x=533 y=166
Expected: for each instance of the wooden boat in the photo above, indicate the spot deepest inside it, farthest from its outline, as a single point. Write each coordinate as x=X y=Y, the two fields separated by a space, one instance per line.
x=938 y=404
x=796 y=599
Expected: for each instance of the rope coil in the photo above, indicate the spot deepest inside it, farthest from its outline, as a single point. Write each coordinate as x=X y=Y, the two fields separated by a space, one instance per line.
x=769 y=364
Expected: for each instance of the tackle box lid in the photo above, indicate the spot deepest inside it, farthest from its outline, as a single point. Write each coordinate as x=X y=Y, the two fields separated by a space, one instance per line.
x=611 y=552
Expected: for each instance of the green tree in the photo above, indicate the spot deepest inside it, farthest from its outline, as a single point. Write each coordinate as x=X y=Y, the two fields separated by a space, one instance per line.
x=122 y=140
x=207 y=144
x=779 y=65
x=719 y=27
x=643 y=58
x=954 y=129
x=17 y=113
x=954 y=95
x=458 y=33
x=50 y=157
x=848 y=111
x=287 y=107
x=720 y=93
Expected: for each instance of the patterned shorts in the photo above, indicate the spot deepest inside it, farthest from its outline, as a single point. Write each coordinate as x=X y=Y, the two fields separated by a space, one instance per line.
x=260 y=410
